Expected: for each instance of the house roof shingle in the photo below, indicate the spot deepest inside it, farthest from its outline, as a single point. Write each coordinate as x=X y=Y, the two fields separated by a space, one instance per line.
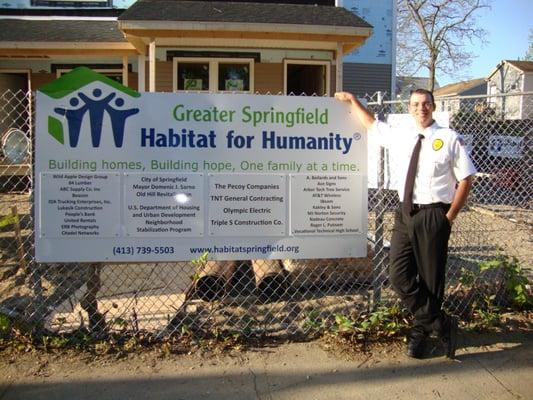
x=526 y=66
x=22 y=30
x=458 y=88
x=239 y=12
x=60 y=12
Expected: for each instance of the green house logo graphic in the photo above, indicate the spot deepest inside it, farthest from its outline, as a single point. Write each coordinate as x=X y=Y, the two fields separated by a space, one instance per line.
x=88 y=104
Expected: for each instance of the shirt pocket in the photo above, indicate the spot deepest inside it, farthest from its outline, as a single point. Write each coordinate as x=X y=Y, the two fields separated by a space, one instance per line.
x=441 y=163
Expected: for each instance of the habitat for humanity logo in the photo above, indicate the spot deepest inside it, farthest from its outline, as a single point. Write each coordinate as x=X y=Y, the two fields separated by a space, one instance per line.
x=87 y=102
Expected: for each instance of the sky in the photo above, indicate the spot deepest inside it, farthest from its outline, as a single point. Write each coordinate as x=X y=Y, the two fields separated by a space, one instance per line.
x=508 y=23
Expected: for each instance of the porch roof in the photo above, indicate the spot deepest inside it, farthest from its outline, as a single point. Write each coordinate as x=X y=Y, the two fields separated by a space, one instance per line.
x=30 y=37
x=60 y=30
x=242 y=24
x=242 y=12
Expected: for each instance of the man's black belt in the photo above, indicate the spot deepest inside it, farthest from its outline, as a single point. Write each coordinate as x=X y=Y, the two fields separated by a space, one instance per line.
x=417 y=207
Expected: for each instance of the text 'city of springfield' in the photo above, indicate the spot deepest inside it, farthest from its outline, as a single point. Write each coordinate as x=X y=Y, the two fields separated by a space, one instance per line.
x=269 y=139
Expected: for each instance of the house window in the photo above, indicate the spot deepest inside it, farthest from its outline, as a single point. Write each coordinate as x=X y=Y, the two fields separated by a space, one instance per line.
x=213 y=74
x=72 y=3
x=308 y=77
x=193 y=76
x=233 y=77
x=111 y=73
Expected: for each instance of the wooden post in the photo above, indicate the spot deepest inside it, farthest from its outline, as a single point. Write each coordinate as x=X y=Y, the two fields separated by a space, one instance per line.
x=151 y=65
x=125 y=71
x=89 y=302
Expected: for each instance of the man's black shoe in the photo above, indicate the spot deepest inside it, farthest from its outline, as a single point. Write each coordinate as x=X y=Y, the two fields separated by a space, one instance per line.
x=449 y=336
x=415 y=345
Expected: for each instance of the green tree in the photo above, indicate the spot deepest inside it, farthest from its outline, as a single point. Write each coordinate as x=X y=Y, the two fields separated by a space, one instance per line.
x=431 y=35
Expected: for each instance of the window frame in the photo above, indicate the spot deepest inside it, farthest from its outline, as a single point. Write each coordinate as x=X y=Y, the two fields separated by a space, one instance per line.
x=325 y=63
x=213 y=72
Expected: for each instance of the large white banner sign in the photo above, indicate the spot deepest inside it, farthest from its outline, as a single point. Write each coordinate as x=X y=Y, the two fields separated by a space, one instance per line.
x=125 y=176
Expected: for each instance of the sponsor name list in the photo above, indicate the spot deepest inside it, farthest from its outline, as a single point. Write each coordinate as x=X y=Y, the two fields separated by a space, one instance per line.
x=176 y=205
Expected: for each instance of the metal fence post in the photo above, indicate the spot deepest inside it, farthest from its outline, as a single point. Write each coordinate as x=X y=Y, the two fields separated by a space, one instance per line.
x=378 y=259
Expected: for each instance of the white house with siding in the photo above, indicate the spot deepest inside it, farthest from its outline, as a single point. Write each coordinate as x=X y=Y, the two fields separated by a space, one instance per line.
x=510 y=77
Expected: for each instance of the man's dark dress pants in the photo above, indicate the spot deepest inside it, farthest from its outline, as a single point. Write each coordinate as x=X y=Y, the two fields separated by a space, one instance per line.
x=419 y=250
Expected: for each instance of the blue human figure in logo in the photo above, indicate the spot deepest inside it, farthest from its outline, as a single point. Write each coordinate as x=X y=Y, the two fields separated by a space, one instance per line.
x=96 y=113
x=118 y=120
x=74 y=119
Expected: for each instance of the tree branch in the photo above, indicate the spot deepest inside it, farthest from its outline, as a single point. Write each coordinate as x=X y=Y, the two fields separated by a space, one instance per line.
x=431 y=34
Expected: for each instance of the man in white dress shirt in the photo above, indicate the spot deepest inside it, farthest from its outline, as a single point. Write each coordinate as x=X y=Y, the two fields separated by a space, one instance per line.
x=419 y=244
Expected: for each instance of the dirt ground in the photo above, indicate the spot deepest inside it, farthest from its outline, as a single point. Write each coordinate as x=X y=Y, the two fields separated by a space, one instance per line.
x=496 y=365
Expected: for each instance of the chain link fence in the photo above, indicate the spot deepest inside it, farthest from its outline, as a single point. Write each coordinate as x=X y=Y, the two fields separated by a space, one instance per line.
x=275 y=297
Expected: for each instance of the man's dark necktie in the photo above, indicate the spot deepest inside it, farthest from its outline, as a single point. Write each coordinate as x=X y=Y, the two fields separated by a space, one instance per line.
x=407 y=204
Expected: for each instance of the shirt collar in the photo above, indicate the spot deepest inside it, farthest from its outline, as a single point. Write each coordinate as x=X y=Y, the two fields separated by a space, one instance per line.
x=430 y=130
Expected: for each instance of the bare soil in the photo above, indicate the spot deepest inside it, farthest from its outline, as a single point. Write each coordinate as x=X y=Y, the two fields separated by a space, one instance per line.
x=489 y=365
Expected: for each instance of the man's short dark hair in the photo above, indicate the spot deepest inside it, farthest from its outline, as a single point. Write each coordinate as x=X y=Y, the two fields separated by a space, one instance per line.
x=425 y=92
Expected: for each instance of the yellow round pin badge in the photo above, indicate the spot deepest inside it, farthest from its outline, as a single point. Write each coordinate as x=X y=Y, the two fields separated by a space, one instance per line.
x=437 y=144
